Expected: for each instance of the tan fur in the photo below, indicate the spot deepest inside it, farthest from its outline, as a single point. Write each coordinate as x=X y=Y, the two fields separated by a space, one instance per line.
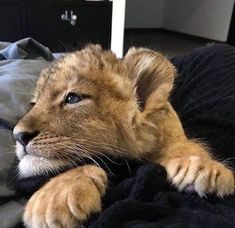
x=56 y=203
x=128 y=114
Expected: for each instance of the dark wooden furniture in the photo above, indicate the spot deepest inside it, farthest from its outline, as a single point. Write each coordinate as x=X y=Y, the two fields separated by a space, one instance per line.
x=43 y=20
x=231 y=33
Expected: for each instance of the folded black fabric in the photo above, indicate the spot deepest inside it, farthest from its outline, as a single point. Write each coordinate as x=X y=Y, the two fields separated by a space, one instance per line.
x=146 y=200
x=139 y=195
x=204 y=97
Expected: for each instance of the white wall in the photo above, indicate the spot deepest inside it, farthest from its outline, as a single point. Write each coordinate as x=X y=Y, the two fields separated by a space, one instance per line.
x=144 y=13
x=205 y=18
x=118 y=26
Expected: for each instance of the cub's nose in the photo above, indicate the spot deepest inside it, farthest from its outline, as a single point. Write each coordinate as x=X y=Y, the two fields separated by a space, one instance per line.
x=24 y=137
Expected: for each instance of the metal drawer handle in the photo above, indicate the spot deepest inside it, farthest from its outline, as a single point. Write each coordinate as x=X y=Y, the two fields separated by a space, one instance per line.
x=72 y=18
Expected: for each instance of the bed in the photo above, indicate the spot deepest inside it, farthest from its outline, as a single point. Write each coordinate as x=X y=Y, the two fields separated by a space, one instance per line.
x=139 y=195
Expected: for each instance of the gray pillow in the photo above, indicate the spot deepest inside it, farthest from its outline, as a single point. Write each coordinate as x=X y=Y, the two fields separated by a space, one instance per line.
x=20 y=65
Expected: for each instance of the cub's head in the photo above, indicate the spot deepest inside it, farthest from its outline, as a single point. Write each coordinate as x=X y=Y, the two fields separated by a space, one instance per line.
x=88 y=104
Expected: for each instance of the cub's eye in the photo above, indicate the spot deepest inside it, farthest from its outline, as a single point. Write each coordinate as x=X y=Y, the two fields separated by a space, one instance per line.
x=73 y=98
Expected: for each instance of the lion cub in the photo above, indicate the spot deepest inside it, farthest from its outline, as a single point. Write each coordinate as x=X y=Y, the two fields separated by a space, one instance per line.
x=89 y=101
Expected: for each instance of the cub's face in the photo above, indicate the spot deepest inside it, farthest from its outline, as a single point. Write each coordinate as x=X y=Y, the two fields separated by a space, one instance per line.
x=89 y=104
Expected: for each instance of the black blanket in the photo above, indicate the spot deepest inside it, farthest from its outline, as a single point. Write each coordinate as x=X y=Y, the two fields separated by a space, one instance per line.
x=139 y=194
x=147 y=200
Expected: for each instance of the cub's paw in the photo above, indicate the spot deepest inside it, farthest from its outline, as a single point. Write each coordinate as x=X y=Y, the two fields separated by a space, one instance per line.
x=201 y=175
x=67 y=200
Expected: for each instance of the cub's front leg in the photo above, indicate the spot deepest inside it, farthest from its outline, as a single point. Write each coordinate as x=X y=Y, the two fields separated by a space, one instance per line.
x=159 y=132
x=191 y=168
x=67 y=200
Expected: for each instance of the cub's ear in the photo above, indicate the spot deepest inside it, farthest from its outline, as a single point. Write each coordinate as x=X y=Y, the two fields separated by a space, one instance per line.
x=153 y=77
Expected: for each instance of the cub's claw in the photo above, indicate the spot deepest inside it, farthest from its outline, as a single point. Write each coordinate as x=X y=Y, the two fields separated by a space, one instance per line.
x=199 y=174
x=67 y=200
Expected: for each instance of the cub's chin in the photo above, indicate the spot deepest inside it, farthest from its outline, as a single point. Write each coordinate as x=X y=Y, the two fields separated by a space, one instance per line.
x=32 y=165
